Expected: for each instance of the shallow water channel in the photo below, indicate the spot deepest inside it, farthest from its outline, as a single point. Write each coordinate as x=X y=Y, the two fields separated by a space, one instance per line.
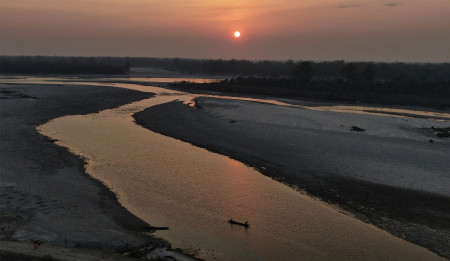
x=167 y=182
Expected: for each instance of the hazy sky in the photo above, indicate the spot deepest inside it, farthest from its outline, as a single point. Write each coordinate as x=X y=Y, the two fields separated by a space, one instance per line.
x=377 y=30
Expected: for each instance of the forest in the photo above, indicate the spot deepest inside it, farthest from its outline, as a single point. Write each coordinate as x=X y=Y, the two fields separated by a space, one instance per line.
x=384 y=83
x=52 y=65
x=425 y=84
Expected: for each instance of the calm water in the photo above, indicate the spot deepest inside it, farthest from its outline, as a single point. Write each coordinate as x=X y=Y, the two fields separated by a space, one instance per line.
x=167 y=182
x=166 y=80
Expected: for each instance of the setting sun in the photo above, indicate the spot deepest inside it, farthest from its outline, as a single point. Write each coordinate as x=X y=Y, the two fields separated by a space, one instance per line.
x=237 y=34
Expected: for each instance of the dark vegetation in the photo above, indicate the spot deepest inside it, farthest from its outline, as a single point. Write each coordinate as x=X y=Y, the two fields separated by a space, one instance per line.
x=356 y=128
x=393 y=83
x=6 y=256
x=62 y=65
x=441 y=132
x=422 y=84
x=14 y=94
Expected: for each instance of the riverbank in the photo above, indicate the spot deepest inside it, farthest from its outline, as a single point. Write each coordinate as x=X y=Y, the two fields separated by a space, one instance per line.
x=389 y=176
x=45 y=193
x=28 y=104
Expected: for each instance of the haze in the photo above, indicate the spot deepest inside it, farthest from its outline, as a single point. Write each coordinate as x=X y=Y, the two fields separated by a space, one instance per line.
x=375 y=30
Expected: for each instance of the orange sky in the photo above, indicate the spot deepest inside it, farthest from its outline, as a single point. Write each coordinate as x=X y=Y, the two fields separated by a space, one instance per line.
x=378 y=30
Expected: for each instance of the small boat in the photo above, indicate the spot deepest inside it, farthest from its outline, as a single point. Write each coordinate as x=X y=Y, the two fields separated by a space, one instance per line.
x=245 y=224
x=160 y=228
x=152 y=228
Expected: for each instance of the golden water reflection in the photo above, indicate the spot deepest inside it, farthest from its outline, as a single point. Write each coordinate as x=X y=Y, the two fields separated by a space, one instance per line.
x=167 y=182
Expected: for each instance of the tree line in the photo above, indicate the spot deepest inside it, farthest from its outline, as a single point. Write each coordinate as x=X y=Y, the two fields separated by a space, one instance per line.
x=321 y=70
x=326 y=70
x=61 y=65
x=396 y=83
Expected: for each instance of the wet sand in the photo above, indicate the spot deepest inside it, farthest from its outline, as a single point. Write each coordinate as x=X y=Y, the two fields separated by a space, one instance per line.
x=45 y=193
x=389 y=176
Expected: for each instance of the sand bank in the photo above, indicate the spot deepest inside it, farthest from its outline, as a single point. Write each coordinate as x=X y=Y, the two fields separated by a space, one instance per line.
x=45 y=193
x=390 y=175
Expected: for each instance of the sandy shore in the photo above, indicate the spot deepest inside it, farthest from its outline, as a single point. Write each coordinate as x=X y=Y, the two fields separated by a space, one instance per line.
x=390 y=175
x=45 y=193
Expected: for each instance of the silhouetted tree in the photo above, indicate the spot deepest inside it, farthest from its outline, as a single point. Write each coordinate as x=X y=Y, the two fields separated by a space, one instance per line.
x=369 y=72
x=350 y=72
x=127 y=67
x=59 y=65
x=304 y=72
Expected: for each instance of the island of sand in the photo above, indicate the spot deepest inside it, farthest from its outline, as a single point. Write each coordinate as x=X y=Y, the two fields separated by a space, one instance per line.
x=382 y=169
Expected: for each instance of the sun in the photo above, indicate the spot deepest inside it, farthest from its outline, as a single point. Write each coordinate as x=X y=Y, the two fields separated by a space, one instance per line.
x=237 y=34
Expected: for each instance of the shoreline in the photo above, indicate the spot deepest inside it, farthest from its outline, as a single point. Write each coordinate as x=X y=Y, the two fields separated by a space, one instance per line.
x=46 y=193
x=418 y=217
x=105 y=97
x=312 y=102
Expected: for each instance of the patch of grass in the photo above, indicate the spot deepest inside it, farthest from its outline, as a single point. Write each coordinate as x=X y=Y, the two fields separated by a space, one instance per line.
x=441 y=132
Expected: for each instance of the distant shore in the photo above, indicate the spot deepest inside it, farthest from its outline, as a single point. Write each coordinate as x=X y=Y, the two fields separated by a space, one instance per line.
x=304 y=157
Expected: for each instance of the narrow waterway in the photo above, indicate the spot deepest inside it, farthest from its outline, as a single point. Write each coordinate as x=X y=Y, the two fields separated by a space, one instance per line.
x=167 y=182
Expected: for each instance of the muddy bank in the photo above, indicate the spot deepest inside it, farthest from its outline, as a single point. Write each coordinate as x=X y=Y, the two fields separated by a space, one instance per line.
x=339 y=166
x=45 y=193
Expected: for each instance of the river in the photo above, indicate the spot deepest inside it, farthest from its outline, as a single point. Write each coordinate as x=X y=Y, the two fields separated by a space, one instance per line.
x=167 y=182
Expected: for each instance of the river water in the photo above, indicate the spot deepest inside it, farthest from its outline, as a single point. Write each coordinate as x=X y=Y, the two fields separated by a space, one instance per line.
x=167 y=182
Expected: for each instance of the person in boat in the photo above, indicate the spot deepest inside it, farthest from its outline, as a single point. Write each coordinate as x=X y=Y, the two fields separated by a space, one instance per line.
x=36 y=243
x=246 y=223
